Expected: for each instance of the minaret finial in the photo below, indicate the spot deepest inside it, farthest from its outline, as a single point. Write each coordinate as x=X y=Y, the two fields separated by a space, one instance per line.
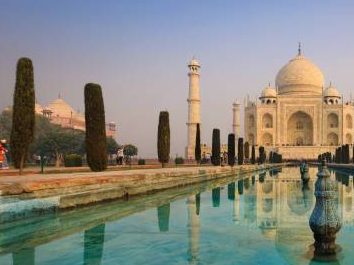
x=299 y=49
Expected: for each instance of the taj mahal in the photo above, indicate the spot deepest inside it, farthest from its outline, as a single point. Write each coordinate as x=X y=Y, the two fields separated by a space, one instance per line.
x=300 y=117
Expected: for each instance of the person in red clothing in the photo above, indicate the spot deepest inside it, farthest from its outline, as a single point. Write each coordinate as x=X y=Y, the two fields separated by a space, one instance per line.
x=3 y=160
x=2 y=154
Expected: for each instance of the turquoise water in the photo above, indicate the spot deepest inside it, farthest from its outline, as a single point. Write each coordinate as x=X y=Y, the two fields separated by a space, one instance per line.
x=260 y=219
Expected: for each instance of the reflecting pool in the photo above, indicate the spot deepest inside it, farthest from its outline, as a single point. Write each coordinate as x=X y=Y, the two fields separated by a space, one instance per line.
x=255 y=219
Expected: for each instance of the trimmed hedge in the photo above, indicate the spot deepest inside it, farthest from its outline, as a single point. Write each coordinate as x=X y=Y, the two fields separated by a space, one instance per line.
x=73 y=160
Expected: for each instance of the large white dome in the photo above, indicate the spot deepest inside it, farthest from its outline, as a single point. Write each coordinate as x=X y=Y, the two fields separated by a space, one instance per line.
x=300 y=76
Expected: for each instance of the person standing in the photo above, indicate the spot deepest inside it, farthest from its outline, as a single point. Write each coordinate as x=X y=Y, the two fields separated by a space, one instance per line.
x=120 y=156
x=3 y=160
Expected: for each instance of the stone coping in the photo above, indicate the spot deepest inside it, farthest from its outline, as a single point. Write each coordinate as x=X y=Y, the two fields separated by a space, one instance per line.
x=31 y=195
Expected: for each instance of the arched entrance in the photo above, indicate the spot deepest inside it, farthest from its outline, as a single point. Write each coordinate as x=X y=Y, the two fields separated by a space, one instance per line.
x=267 y=139
x=300 y=129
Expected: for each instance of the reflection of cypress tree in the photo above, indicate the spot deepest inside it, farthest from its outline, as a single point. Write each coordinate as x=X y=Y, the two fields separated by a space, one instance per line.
x=262 y=177
x=246 y=183
x=345 y=179
x=338 y=176
x=24 y=256
x=307 y=194
x=253 y=180
x=231 y=191
x=197 y=202
x=271 y=172
x=240 y=187
x=93 y=245
x=216 y=197
x=163 y=214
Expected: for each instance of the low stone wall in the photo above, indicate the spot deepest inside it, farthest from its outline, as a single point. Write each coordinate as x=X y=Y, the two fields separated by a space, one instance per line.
x=24 y=196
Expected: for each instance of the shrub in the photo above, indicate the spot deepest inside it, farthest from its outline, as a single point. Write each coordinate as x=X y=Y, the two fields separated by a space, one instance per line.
x=141 y=162
x=73 y=160
x=179 y=160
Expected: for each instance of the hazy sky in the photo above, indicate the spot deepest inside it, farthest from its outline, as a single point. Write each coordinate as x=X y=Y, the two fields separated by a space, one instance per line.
x=138 y=51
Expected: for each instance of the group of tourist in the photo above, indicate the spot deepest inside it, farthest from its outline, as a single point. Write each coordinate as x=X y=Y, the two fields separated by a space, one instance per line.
x=3 y=159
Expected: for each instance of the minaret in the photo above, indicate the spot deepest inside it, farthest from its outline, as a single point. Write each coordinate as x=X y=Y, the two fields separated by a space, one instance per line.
x=193 y=107
x=236 y=119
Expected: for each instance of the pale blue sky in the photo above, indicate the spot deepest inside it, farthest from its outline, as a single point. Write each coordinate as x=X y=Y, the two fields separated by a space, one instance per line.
x=138 y=51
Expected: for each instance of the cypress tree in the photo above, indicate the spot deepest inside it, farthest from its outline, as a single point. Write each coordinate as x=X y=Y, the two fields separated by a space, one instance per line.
x=247 y=151
x=262 y=155
x=215 y=148
x=163 y=138
x=231 y=149
x=96 y=146
x=271 y=154
x=197 y=150
x=23 y=117
x=346 y=158
x=240 y=151
x=253 y=155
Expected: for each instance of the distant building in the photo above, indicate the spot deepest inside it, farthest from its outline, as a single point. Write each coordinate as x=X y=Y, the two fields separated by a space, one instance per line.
x=60 y=112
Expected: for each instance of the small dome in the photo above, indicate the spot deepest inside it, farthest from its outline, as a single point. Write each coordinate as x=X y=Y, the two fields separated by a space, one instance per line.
x=300 y=76
x=269 y=92
x=194 y=62
x=331 y=91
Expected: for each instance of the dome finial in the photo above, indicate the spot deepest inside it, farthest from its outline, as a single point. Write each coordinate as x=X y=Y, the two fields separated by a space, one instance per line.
x=299 y=52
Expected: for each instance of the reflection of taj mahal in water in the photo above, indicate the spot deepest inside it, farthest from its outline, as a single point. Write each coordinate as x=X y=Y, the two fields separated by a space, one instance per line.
x=281 y=202
x=276 y=206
